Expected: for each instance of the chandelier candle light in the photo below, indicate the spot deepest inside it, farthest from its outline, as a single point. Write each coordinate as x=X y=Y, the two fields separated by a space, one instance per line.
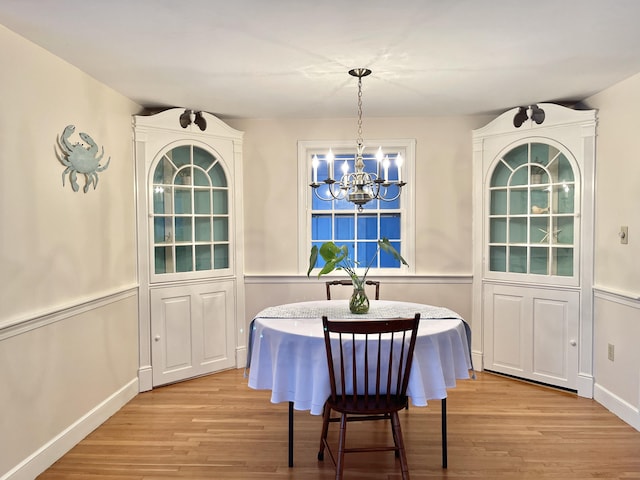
x=359 y=187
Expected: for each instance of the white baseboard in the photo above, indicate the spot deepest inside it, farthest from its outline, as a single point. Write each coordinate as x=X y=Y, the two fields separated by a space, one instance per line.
x=145 y=378
x=585 y=385
x=622 y=409
x=48 y=454
x=477 y=358
x=241 y=357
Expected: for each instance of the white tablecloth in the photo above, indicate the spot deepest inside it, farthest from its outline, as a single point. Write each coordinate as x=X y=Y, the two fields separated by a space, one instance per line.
x=288 y=354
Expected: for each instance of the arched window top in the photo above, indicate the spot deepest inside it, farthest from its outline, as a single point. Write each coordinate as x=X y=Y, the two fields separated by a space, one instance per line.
x=536 y=163
x=190 y=221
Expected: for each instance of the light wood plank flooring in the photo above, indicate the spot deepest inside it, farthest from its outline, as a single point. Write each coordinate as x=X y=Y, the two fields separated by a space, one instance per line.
x=215 y=427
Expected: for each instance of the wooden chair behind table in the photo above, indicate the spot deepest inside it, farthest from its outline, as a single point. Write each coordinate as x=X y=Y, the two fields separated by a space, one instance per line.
x=350 y=284
x=371 y=385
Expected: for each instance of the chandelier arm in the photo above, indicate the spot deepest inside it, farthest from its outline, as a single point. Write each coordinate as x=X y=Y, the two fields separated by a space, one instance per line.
x=383 y=196
x=340 y=195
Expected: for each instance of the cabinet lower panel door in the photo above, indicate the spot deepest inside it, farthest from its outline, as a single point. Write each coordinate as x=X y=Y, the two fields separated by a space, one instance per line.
x=192 y=329
x=532 y=333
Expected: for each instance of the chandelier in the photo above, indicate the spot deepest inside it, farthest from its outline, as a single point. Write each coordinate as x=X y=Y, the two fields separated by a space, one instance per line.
x=359 y=187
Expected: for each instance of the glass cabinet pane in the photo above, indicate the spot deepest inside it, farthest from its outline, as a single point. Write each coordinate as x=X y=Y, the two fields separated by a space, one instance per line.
x=539 y=261
x=498 y=230
x=498 y=259
x=539 y=228
x=203 y=229
x=202 y=201
x=518 y=230
x=184 y=258
x=220 y=206
x=163 y=174
x=220 y=229
x=517 y=157
x=518 y=204
x=518 y=259
x=564 y=196
x=202 y=158
x=183 y=229
x=203 y=257
x=563 y=230
x=501 y=174
x=221 y=256
x=498 y=202
x=162 y=229
x=162 y=200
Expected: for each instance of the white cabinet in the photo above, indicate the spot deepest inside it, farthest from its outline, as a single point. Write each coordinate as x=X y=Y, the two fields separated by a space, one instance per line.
x=190 y=251
x=533 y=245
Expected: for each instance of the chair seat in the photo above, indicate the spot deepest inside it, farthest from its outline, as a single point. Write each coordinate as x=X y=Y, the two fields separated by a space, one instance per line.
x=368 y=405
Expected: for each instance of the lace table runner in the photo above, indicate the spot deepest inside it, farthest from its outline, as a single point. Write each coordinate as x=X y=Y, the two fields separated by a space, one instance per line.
x=340 y=310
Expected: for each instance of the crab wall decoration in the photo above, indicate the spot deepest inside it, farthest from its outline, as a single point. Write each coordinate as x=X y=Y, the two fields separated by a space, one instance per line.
x=80 y=158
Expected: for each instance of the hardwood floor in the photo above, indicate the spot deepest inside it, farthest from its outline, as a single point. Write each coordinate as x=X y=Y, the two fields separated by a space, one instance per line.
x=215 y=427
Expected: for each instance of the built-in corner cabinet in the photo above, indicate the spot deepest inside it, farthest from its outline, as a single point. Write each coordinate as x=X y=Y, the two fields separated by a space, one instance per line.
x=533 y=245
x=189 y=184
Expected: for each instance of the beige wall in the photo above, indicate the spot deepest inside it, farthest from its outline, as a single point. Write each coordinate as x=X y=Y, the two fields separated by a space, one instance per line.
x=617 y=270
x=68 y=299
x=442 y=185
x=443 y=216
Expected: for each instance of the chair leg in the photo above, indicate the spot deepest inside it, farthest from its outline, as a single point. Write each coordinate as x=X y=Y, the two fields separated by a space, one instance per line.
x=341 y=447
x=395 y=420
x=326 y=415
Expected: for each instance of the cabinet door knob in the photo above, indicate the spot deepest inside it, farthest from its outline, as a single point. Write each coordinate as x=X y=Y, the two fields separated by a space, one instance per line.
x=157 y=338
x=573 y=343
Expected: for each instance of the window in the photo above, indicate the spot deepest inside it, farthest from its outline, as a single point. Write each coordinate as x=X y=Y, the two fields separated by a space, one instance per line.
x=339 y=220
x=190 y=221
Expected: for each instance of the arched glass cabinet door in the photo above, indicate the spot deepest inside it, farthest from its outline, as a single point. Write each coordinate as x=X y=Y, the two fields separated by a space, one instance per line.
x=532 y=213
x=190 y=219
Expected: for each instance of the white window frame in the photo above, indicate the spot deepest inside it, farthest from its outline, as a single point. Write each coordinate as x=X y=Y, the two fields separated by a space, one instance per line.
x=407 y=147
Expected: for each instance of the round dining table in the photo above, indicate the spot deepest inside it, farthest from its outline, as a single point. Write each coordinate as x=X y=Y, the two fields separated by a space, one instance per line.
x=287 y=353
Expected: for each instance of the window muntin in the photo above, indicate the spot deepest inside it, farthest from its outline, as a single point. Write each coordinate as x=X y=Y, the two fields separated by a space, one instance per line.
x=190 y=212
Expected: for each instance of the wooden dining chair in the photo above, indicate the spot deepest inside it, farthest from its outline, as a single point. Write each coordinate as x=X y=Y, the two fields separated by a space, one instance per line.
x=369 y=362
x=375 y=283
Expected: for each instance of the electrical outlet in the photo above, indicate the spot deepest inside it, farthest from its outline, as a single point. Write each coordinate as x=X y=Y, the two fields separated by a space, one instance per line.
x=610 y=351
x=624 y=235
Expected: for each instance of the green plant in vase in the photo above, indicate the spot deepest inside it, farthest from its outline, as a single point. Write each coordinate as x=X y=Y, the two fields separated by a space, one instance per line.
x=337 y=258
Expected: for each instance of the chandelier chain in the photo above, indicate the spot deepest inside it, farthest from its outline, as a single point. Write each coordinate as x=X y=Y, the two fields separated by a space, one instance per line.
x=359 y=139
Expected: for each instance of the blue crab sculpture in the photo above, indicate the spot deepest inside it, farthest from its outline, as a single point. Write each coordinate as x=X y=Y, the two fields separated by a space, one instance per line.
x=80 y=158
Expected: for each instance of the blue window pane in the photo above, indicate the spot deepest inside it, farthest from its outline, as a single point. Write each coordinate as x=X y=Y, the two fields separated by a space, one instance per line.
x=344 y=227
x=390 y=226
x=321 y=227
x=368 y=226
x=366 y=253
x=318 y=204
x=387 y=260
x=323 y=170
x=343 y=205
x=350 y=246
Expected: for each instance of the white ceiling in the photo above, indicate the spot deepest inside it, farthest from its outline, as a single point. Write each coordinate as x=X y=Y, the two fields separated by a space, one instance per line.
x=289 y=58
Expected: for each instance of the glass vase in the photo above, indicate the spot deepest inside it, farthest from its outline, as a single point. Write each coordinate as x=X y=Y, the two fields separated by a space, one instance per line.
x=359 y=302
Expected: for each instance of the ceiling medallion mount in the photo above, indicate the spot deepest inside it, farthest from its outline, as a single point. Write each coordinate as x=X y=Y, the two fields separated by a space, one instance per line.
x=360 y=186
